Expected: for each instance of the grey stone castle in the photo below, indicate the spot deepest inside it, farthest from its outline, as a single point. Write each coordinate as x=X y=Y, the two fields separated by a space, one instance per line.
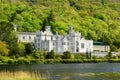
x=46 y=40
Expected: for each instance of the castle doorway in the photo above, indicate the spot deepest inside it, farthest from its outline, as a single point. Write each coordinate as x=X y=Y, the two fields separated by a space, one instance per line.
x=77 y=50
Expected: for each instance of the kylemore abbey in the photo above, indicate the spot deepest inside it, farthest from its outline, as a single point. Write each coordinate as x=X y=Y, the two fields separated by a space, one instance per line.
x=73 y=42
x=46 y=40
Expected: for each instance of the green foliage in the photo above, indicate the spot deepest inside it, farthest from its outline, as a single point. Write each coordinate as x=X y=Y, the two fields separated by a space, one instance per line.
x=37 y=61
x=11 y=61
x=22 y=60
x=51 y=55
x=80 y=56
x=4 y=51
x=38 y=55
x=21 y=49
x=113 y=48
x=95 y=19
x=67 y=55
x=110 y=55
x=58 y=56
x=28 y=48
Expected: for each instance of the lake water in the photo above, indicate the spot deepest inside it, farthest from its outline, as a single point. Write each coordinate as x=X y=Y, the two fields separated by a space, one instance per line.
x=85 y=71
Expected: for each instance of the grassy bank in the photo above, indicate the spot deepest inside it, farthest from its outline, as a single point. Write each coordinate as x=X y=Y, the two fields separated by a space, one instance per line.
x=22 y=75
x=56 y=61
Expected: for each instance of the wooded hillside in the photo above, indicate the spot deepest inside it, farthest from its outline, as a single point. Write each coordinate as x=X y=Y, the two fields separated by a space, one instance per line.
x=95 y=19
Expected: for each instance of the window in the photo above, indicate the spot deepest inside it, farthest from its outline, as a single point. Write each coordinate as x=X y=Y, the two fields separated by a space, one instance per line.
x=77 y=43
x=56 y=37
x=38 y=39
x=63 y=43
x=23 y=37
x=51 y=37
x=38 y=44
x=68 y=43
x=53 y=44
x=82 y=45
x=29 y=37
x=37 y=35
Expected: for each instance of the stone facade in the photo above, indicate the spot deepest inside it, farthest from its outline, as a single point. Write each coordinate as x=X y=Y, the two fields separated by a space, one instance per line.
x=72 y=42
x=46 y=40
x=101 y=48
x=27 y=37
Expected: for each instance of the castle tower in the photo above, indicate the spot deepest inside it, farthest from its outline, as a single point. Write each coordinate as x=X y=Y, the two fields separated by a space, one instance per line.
x=71 y=29
x=47 y=28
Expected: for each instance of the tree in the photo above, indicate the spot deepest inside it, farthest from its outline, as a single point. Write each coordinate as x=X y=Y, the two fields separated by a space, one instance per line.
x=21 y=49
x=37 y=54
x=8 y=35
x=28 y=48
x=104 y=2
x=110 y=55
x=5 y=30
x=47 y=21
x=51 y=55
x=66 y=55
x=4 y=51
x=85 y=16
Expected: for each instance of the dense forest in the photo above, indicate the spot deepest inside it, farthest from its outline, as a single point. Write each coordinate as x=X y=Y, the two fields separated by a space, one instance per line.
x=95 y=19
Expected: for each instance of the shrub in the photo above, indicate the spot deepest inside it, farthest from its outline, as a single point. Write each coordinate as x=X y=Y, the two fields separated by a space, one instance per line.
x=80 y=56
x=49 y=61
x=37 y=61
x=11 y=61
x=23 y=60
x=58 y=56
x=71 y=61
x=66 y=55
x=51 y=55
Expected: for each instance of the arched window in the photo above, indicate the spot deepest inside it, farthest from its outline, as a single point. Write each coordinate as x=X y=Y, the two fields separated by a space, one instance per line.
x=77 y=50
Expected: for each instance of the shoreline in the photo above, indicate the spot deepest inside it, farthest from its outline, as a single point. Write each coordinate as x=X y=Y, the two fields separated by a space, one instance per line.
x=59 y=61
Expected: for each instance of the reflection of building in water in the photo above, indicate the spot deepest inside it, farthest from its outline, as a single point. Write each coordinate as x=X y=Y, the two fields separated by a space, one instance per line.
x=72 y=42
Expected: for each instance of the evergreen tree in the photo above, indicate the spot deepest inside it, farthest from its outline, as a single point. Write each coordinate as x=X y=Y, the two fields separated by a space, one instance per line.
x=29 y=48
x=51 y=55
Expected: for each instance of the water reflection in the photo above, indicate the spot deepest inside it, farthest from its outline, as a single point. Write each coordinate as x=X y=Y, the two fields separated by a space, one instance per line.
x=87 y=71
